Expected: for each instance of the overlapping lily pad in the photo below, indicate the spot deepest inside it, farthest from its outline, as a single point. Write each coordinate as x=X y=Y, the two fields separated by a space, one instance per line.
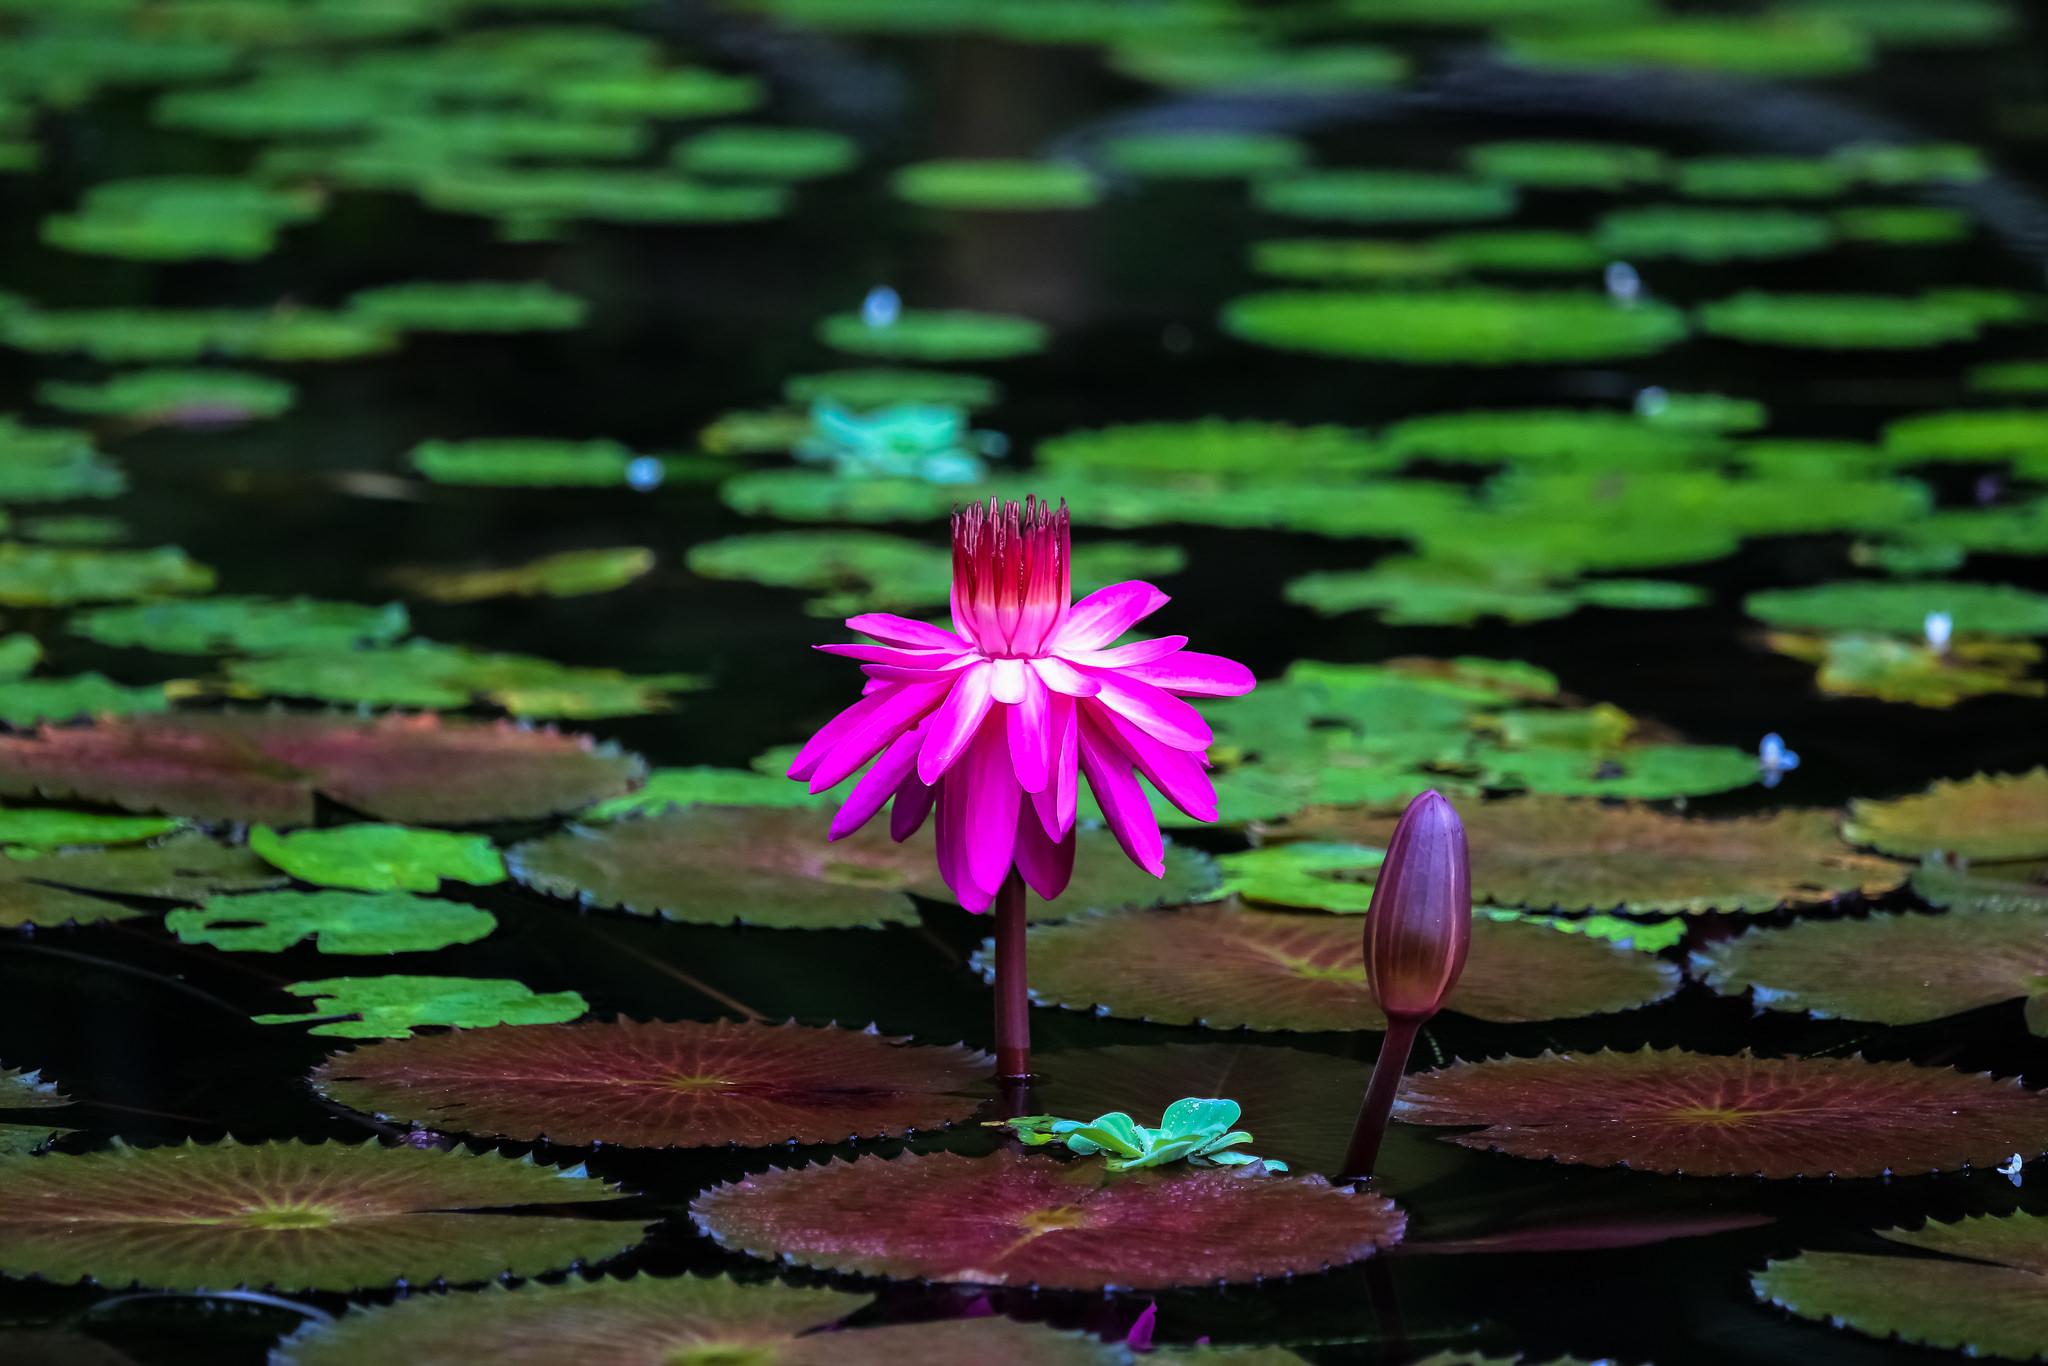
x=340 y=922
x=1877 y=322
x=1574 y=855
x=764 y=153
x=936 y=335
x=1709 y=236
x=1202 y=154
x=293 y=1216
x=1227 y=968
x=1708 y=1115
x=27 y=701
x=1558 y=165
x=39 y=888
x=389 y=1007
x=1384 y=196
x=1955 y=1301
x=531 y=201
x=51 y=829
x=1539 y=251
x=1902 y=608
x=267 y=766
x=424 y=673
x=1456 y=326
x=471 y=306
x=1997 y=888
x=1890 y=969
x=236 y=623
x=570 y=574
x=380 y=858
x=989 y=183
x=177 y=398
x=1648 y=772
x=944 y=1217
x=774 y=867
x=1235 y=452
x=1989 y=817
x=662 y=1085
x=1862 y=664
x=681 y=92
x=1411 y=591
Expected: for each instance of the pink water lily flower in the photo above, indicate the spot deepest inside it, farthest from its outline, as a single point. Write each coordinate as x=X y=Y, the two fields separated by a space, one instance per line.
x=997 y=721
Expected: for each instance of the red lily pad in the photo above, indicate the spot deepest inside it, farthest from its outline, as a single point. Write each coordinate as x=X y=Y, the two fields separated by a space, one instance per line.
x=680 y=1321
x=1889 y=969
x=1575 y=854
x=1017 y=1219
x=662 y=1085
x=58 y=889
x=1990 y=817
x=774 y=867
x=1708 y=1115
x=21 y=1090
x=1228 y=968
x=1997 y=1310
x=293 y=1216
x=267 y=766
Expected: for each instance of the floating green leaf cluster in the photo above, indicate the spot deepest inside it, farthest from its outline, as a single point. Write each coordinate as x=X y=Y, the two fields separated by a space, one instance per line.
x=422 y=673
x=936 y=335
x=2017 y=434
x=1920 y=23
x=1567 y=165
x=1902 y=608
x=1456 y=326
x=234 y=624
x=389 y=1007
x=532 y=201
x=765 y=153
x=53 y=464
x=48 y=576
x=1531 y=250
x=176 y=398
x=1358 y=258
x=471 y=306
x=1203 y=155
x=1902 y=225
x=1406 y=591
x=1227 y=453
x=1709 y=236
x=1384 y=196
x=180 y=218
x=994 y=184
x=1193 y=1130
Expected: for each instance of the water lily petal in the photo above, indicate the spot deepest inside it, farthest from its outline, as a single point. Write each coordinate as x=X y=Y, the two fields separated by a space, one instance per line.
x=1195 y=673
x=1125 y=656
x=1122 y=800
x=878 y=784
x=956 y=722
x=867 y=738
x=1155 y=711
x=891 y=629
x=1063 y=677
x=1105 y=614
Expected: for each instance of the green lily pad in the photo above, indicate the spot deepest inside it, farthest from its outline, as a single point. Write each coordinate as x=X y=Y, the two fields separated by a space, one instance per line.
x=1902 y=607
x=27 y=702
x=340 y=922
x=1700 y=412
x=675 y=93
x=936 y=335
x=1455 y=326
x=2010 y=377
x=1227 y=62
x=663 y=1085
x=422 y=673
x=989 y=183
x=1384 y=196
x=1710 y=236
x=293 y=1217
x=1560 y=438
x=236 y=624
x=389 y=1007
x=1990 y=816
x=46 y=464
x=42 y=888
x=1839 y=321
x=471 y=306
x=380 y=858
x=75 y=529
x=137 y=334
x=1902 y=225
x=180 y=218
x=1540 y=251
x=200 y=398
x=52 y=829
x=774 y=867
x=886 y=388
x=1956 y=1301
x=1923 y=163
x=1411 y=592
x=1203 y=154
x=543 y=196
x=1287 y=875
x=1567 y=165
x=1223 y=967
x=1921 y=23
x=293 y=104
x=1649 y=772
x=1862 y=664
x=535 y=462
x=1773 y=46
x=765 y=153
x=22 y=1140
x=21 y=1090
x=1241 y=452
x=1994 y=890
x=702 y=784
x=1762 y=177
x=570 y=574
x=1361 y=258
x=1972 y=434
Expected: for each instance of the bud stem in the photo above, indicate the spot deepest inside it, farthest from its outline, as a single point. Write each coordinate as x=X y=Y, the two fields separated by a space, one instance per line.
x=1379 y=1096
x=1013 y=1001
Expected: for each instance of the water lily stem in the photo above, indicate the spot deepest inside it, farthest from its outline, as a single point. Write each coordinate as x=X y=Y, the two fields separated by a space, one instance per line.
x=1013 y=1003
x=1379 y=1096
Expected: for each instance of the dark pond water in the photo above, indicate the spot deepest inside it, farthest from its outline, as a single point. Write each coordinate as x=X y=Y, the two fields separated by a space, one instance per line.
x=692 y=321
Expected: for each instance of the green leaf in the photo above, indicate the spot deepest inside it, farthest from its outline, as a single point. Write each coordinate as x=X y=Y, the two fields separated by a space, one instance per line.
x=1999 y=890
x=1992 y=817
x=26 y=702
x=53 y=464
x=1903 y=608
x=22 y=1140
x=1881 y=322
x=389 y=1007
x=179 y=218
x=1969 y=434
x=471 y=306
x=50 y=829
x=1115 y=1132
x=235 y=624
x=175 y=397
x=535 y=463
x=340 y=922
x=1903 y=225
x=1533 y=250
x=380 y=858
x=1177 y=453
x=45 y=576
x=75 y=529
x=1567 y=165
x=1384 y=196
x=934 y=335
x=1462 y=326
x=884 y=388
x=988 y=183
x=1286 y=875
x=666 y=787
x=39 y=887
x=1858 y=664
x=422 y=673
x=1649 y=771
x=1196 y=1117
x=1358 y=258
x=1710 y=236
x=674 y=93
x=1203 y=154
x=532 y=198
x=1790 y=46
x=767 y=153
x=28 y=1091
x=570 y=574
x=1227 y=62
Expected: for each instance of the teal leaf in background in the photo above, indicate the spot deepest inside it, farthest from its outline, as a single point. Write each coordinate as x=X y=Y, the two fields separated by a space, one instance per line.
x=339 y=922
x=380 y=858
x=1203 y=154
x=389 y=1007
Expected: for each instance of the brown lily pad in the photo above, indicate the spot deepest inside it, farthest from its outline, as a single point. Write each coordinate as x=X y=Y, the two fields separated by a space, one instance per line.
x=774 y=867
x=267 y=766
x=1575 y=855
x=1995 y=1310
x=294 y=1216
x=1990 y=817
x=1228 y=968
x=671 y=1321
x=58 y=889
x=1889 y=969
x=662 y=1085
x=1708 y=1115
x=1017 y=1219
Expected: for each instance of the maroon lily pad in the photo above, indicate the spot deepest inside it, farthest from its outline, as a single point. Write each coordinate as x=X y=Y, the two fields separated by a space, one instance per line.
x=267 y=766
x=1890 y=969
x=662 y=1085
x=1226 y=967
x=296 y=1216
x=677 y=1321
x=1016 y=1219
x=1707 y=1115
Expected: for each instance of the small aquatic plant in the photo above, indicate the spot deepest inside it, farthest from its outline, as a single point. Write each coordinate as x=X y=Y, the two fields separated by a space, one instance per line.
x=1195 y=1130
x=995 y=723
x=1416 y=935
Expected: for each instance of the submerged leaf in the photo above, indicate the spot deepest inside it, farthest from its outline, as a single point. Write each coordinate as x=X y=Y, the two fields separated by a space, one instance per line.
x=292 y=1217
x=1455 y=326
x=936 y=335
x=380 y=858
x=231 y=624
x=1989 y=816
x=943 y=1217
x=1227 y=968
x=267 y=766
x=388 y=1007
x=39 y=888
x=1709 y=1115
x=1999 y=889
x=342 y=922
x=663 y=1085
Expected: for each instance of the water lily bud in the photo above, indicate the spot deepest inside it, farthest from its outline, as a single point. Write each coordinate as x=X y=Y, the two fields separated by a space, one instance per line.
x=1420 y=922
